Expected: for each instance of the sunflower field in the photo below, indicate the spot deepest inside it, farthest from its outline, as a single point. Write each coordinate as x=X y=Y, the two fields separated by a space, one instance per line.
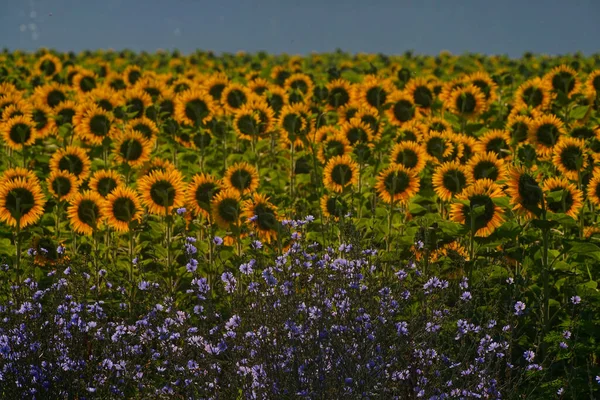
x=327 y=226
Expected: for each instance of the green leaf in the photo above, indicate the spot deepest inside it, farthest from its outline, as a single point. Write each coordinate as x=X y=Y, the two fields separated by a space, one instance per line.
x=586 y=249
x=579 y=112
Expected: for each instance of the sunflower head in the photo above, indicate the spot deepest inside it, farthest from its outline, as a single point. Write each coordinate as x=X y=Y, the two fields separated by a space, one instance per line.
x=334 y=206
x=94 y=124
x=421 y=92
x=570 y=157
x=263 y=215
x=85 y=212
x=340 y=173
x=525 y=193
x=397 y=184
x=403 y=109
x=467 y=102
x=73 y=159
x=241 y=177
x=563 y=79
x=104 y=181
x=544 y=133
x=339 y=94
x=410 y=155
x=21 y=202
x=162 y=191
x=535 y=93
x=200 y=193
x=132 y=148
x=62 y=184
x=122 y=208
x=226 y=208
x=19 y=132
x=495 y=141
x=561 y=196
x=194 y=107
x=48 y=65
x=476 y=210
x=449 y=179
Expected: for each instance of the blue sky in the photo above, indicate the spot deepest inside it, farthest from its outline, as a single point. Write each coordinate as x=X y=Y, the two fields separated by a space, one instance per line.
x=299 y=27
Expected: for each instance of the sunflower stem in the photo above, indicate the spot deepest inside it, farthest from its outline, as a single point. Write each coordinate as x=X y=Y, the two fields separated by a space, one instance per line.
x=389 y=226
x=18 y=243
x=292 y=174
x=169 y=264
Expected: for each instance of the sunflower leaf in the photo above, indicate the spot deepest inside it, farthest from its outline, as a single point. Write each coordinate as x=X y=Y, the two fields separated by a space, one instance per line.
x=579 y=112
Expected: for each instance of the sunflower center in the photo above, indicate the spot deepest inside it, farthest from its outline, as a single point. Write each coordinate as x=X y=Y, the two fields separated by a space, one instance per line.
x=105 y=105
x=163 y=193
x=408 y=158
x=153 y=92
x=533 y=96
x=376 y=96
x=300 y=85
x=228 y=210
x=423 y=96
x=563 y=205
x=99 y=125
x=564 y=82
x=48 y=67
x=396 y=182
x=123 y=209
x=131 y=149
x=485 y=169
x=247 y=125
x=341 y=174
x=216 y=90
x=547 y=134
x=482 y=219
x=40 y=118
x=266 y=219
x=106 y=185
x=87 y=83
x=133 y=76
x=596 y=83
x=205 y=193
x=20 y=133
x=118 y=84
x=338 y=97
x=529 y=191
x=454 y=181
x=582 y=132
x=65 y=116
x=407 y=135
x=403 y=110
x=61 y=186
x=484 y=87
x=241 y=179
x=71 y=163
x=55 y=97
x=519 y=131
x=438 y=127
x=436 y=147
x=466 y=103
x=19 y=202
x=236 y=98
x=498 y=146
x=362 y=152
x=572 y=158
x=357 y=134
x=181 y=87
x=597 y=190
x=196 y=110
x=334 y=148
x=88 y=212
x=292 y=123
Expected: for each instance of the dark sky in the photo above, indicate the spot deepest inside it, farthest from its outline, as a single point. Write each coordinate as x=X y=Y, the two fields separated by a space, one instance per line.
x=299 y=27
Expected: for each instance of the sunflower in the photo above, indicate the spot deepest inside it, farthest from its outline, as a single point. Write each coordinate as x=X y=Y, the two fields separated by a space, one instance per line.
x=65 y=112
x=544 y=133
x=421 y=92
x=485 y=83
x=194 y=107
x=44 y=123
x=334 y=207
x=571 y=200
x=51 y=94
x=295 y=124
x=438 y=146
x=135 y=102
x=85 y=212
x=324 y=133
x=276 y=98
x=132 y=74
x=259 y=86
x=593 y=188
x=19 y=173
x=413 y=131
x=449 y=179
x=481 y=214
x=156 y=164
x=96 y=125
x=263 y=215
x=62 y=184
x=20 y=109
x=468 y=102
x=300 y=82
x=340 y=172
x=180 y=85
x=104 y=97
x=397 y=184
x=451 y=86
x=104 y=181
x=518 y=126
x=162 y=191
x=21 y=202
x=468 y=144
x=121 y=208
x=347 y=112
x=9 y=100
x=279 y=74
x=115 y=81
x=486 y=165
x=200 y=193
x=410 y=155
x=18 y=132
x=253 y=120
x=72 y=159
x=570 y=157
x=84 y=81
x=496 y=141
x=592 y=84
x=333 y=146
x=436 y=124
x=524 y=191
x=357 y=131
x=154 y=87
x=241 y=177
x=340 y=94
x=234 y=97
x=535 y=93
x=374 y=91
x=132 y=148
x=215 y=85
x=402 y=110
x=225 y=208
x=563 y=79
x=145 y=126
